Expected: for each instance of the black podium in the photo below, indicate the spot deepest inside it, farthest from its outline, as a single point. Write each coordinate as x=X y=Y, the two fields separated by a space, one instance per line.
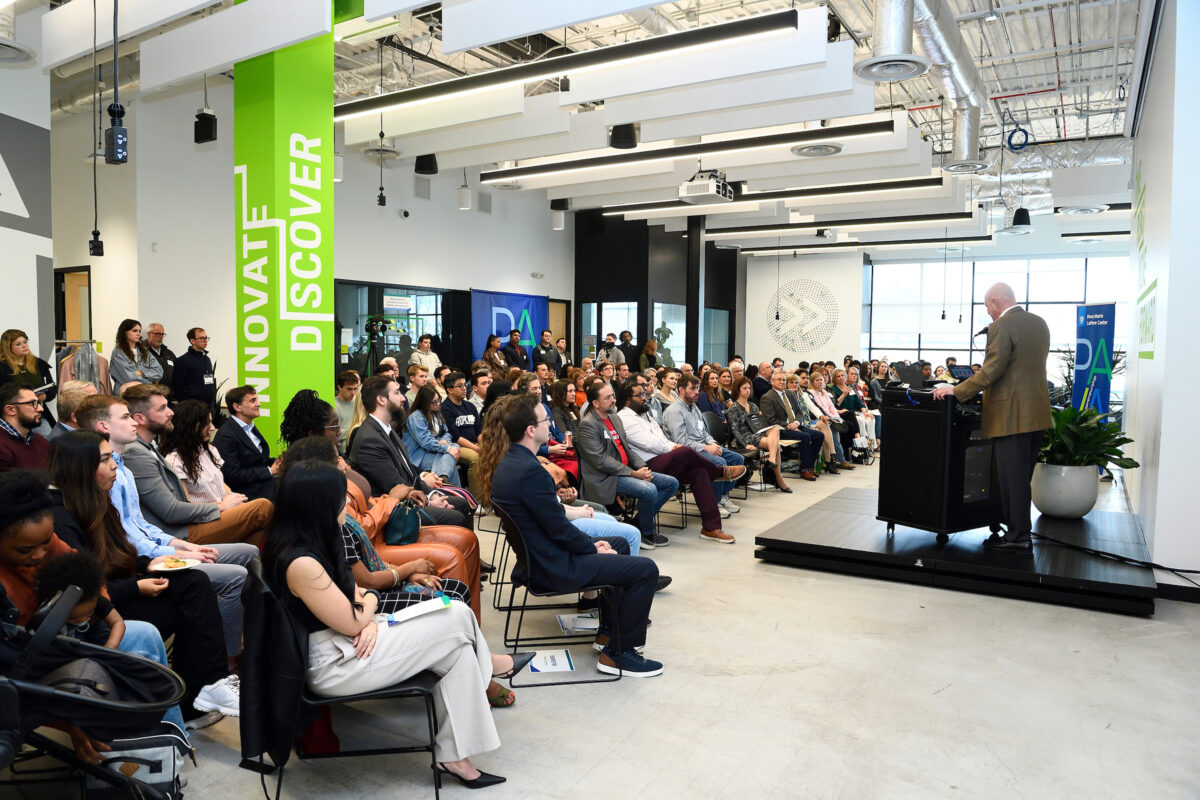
x=936 y=473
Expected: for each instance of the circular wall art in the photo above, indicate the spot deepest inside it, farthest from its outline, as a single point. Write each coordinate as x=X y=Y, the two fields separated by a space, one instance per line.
x=808 y=315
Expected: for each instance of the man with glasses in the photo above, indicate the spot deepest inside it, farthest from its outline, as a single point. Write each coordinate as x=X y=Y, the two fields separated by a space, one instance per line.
x=194 y=378
x=464 y=422
x=155 y=333
x=20 y=413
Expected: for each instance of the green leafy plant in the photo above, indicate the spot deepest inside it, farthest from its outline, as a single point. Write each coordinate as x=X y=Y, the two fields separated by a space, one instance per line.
x=1082 y=439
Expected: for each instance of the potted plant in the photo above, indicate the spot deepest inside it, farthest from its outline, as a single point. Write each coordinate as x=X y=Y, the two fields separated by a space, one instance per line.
x=1078 y=443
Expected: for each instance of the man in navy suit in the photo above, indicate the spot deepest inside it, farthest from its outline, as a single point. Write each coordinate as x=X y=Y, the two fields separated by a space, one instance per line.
x=248 y=466
x=561 y=558
x=514 y=354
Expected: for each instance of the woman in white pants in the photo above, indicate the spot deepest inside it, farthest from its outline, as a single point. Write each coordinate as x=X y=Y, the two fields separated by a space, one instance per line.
x=352 y=650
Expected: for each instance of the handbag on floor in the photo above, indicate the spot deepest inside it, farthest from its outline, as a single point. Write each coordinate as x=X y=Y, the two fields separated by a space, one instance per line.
x=154 y=758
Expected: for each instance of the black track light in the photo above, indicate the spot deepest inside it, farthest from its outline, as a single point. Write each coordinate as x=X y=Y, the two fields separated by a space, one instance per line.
x=427 y=165
x=623 y=137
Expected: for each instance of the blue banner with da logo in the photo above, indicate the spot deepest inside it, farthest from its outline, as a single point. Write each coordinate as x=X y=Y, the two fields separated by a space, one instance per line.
x=1093 y=356
x=501 y=312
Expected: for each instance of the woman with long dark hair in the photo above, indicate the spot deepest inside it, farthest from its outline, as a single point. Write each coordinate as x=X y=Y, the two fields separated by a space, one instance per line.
x=351 y=650
x=82 y=471
x=426 y=437
x=710 y=394
x=188 y=450
x=747 y=426
x=563 y=408
x=131 y=360
x=494 y=358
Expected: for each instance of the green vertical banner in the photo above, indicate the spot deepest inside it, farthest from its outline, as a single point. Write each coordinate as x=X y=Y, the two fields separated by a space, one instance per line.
x=283 y=189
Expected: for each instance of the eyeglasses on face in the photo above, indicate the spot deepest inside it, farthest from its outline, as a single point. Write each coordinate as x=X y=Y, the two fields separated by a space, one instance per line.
x=34 y=403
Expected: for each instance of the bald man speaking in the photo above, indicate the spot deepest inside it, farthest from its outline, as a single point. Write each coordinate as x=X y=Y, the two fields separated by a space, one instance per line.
x=1016 y=407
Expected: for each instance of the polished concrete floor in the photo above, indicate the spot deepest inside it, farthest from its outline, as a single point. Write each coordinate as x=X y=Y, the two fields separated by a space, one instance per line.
x=782 y=683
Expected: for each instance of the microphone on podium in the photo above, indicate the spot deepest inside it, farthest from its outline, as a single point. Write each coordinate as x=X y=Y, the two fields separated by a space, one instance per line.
x=982 y=331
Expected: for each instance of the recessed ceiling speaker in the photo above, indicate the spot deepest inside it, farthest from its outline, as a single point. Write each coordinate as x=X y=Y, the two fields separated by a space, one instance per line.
x=1083 y=211
x=427 y=165
x=381 y=149
x=623 y=137
x=1085 y=240
x=891 y=44
x=818 y=150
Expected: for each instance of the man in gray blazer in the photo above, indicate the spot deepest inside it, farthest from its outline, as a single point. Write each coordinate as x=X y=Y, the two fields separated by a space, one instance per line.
x=608 y=468
x=164 y=501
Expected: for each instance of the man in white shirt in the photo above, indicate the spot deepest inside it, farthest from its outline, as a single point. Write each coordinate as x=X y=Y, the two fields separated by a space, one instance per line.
x=348 y=382
x=480 y=382
x=647 y=441
x=418 y=376
x=424 y=355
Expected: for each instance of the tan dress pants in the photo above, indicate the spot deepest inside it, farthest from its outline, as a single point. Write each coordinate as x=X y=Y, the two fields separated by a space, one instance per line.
x=449 y=643
x=245 y=523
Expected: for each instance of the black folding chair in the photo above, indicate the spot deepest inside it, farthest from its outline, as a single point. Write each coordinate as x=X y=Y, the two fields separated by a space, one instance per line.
x=273 y=638
x=513 y=638
x=720 y=431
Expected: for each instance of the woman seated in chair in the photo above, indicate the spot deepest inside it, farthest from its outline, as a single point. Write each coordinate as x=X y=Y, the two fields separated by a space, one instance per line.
x=563 y=408
x=711 y=398
x=746 y=425
x=352 y=650
x=555 y=451
x=426 y=439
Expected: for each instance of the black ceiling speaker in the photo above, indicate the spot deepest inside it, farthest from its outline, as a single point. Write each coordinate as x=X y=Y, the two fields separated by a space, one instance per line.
x=623 y=137
x=560 y=205
x=427 y=165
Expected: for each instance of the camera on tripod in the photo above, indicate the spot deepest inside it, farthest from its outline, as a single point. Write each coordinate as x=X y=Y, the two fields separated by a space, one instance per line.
x=376 y=325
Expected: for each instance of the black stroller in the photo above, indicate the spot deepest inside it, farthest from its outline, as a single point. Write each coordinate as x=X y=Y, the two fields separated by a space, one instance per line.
x=140 y=693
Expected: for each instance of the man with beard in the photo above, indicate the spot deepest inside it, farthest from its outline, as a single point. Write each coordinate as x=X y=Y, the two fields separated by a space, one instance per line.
x=630 y=350
x=647 y=441
x=20 y=413
x=164 y=502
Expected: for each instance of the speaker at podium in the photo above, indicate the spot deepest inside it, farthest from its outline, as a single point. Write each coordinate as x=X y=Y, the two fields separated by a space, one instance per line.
x=936 y=474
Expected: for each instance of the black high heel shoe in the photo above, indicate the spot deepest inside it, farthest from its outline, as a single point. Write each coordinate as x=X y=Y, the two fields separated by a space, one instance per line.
x=520 y=661
x=482 y=782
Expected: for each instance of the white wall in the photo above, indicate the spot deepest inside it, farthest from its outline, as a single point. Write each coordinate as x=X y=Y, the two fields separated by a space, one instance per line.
x=810 y=311
x=1158 y=390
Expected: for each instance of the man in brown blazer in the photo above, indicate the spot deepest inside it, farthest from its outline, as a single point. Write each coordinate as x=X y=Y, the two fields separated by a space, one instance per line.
x=1016 y=406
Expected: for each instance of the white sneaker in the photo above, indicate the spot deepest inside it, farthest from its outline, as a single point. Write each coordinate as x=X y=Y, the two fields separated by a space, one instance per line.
x=728 y=505
x=723 y=512
x=223 y=696
x=203 y=721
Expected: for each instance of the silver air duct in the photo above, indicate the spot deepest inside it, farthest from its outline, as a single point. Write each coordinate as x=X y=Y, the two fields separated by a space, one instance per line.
x=892 y=56
x=653 y=21
x=11 y=53
x=937 y=37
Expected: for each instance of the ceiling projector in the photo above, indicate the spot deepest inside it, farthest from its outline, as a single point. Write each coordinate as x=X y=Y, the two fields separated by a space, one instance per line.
x=706 y=186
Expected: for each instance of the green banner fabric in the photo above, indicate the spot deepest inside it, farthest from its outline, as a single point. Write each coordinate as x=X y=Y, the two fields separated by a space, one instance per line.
x=283 y=189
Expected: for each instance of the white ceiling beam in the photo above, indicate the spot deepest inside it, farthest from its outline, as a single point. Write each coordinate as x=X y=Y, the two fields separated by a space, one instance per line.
x=67 y=30
x=473 y=23
x=541 y=118
x=239 y=32
x=500 y=103
x=587 y=132
x=378 y=9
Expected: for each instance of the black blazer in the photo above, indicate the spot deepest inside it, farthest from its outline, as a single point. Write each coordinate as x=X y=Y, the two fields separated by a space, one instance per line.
x=761 y=387
x=382 y=460
x=516 y=356
x=247 y=467
x=561 y=557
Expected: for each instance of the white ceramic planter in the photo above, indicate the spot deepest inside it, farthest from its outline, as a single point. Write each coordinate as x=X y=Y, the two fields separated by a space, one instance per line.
x=1068 y=492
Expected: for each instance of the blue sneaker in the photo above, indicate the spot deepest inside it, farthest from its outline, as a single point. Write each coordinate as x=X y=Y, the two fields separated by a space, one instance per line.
x=632 y=665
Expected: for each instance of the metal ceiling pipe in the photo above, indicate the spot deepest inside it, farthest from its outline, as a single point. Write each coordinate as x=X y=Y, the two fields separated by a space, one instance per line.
x=936 y=35
x=12 y=53
x=892 y=57
x=653 y=21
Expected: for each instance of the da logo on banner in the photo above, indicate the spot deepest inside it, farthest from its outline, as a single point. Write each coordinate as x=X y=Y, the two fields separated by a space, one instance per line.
x=523 y=324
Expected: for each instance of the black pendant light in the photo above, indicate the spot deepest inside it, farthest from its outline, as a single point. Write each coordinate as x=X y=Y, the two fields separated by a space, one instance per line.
x=427 y=165
x=623 y=137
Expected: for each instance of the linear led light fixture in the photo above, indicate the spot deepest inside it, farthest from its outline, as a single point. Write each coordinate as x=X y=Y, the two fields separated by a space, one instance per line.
x=807 y=193
x=835 y=246
x=1096 y=235
x=760 y=25
x=840 y=224
x=696 y=151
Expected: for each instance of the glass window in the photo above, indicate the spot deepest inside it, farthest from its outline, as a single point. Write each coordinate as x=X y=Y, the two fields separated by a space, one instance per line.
x=716 y=336
x=1060 y=318
x=1013 y=273
x=896 y=283
x=617 y=317
x=1056 y=279
x=406 y=312
x=1109 y=279
x=670 y=329
x=587 y=316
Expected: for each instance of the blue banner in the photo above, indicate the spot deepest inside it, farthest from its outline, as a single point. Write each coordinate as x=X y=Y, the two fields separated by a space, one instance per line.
x=1093 y=356
x=501 y=312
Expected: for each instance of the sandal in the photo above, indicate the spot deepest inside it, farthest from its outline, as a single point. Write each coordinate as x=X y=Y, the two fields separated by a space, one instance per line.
x=502 y=698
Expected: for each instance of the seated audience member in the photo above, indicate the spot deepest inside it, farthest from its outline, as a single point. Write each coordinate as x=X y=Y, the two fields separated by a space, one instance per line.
x=879 y=381
x=668 y=393
x=73 y=393
x=866 y=420
x=494 y=357
x=686 y=369
x=609 y=351
x=780 y=408
x=131 y=361
x=752 y=432
x=497 y=390
x=195 y=378
x=762 y=381
x=184 y=606
x=736 y=370
x=608 y=373
x=351 y=649
x=562 y=358
x=820 y=405
x=388 y=366
x=556 y=450
x=164 y=501
x=348 y=382
x=453 y=550
x=588 y=365
x=380 y=456
x=648 y=359
x=581 y=382
x=514 y=354
x=563 y=409
x=418 y=376
x=609 y=468
x=19 y=365
x=710 y=394
x=683 y=423
x=28 y=545
x=646 y=440
x=248 y=465
x=848 y=404
x=427 y=440
x=725 y=380
x=224 y=564
x=480 y=381
x=560 y=557
x=20 y=414
x=439 y=378
x=776 y=363
x=463 y=423
x=623 y=373
x=545 y=377
x=424 y=354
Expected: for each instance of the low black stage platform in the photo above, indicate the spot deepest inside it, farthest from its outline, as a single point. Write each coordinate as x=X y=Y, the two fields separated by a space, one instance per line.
x=841 y=534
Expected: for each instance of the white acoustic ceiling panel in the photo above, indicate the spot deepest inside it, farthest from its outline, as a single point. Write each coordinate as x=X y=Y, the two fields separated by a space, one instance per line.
x=541 y=117
x=504 y=101
x=697 y=65
x=834 y=75
x=587 y=132
x=378 y=9
x=67 y=30
x=236 y=34
x=474 y=23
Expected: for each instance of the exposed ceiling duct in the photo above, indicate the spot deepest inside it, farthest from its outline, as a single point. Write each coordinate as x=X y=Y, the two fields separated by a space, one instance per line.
x=937 y=37
x=75 y=95
x=11 y=53
x=892 y=57
x=1027 y=173
x=653 y=21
